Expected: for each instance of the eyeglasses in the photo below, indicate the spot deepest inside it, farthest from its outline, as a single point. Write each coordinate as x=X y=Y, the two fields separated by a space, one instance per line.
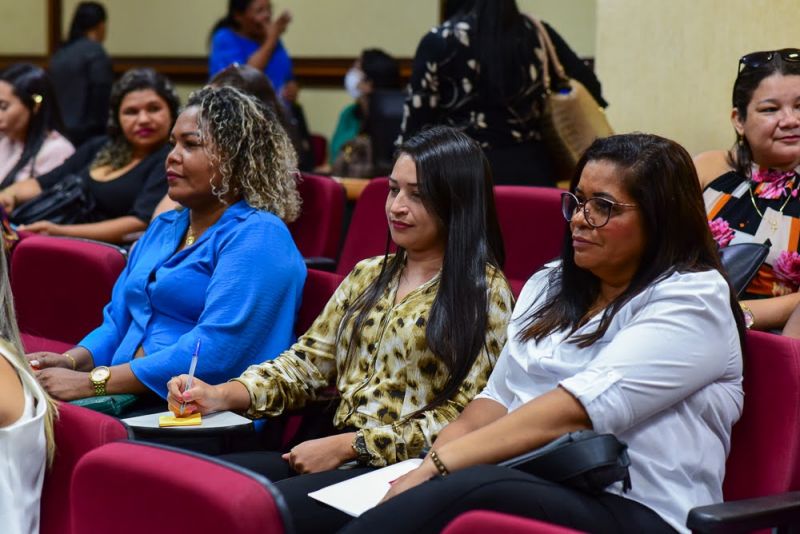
x=596 y=210
x=756 y=60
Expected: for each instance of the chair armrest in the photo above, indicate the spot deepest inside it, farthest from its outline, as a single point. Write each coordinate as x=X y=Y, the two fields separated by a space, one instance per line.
x=321 y=264
x=780 y=510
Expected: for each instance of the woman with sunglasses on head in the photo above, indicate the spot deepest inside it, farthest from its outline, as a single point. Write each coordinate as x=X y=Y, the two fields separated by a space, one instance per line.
x=407 y=339
x=751 y=190
x=31 y=142
x=122 y=172
x=614 y=338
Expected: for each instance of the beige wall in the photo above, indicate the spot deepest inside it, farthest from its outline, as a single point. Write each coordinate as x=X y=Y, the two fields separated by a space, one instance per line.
x=23 y=27
x=668 y=66
x=574 y=20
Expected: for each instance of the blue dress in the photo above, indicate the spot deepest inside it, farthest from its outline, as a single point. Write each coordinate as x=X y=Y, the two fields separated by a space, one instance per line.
x=237 y=289
x=228 y=47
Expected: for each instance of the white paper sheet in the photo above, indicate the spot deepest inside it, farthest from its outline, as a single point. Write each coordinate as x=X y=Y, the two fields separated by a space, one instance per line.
x=359 y=494
x=212 y=420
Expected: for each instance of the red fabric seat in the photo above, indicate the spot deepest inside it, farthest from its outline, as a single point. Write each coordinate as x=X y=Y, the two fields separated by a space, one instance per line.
x=369 y=229
x=133 y=487
x=319 y=288
x=485 y=521
x=318 y=230
x=533 y=229
x=77 y=431
x=61 y=285
x=319 y=147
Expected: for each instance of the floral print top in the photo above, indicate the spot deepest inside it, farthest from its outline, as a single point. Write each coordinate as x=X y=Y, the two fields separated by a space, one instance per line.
x=393 y=373
x=445 y=78
x=764 y=207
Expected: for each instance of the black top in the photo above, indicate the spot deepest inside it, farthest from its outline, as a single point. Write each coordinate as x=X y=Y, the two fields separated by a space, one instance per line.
x=137 y=192
x=82 y=78
x=444 y=85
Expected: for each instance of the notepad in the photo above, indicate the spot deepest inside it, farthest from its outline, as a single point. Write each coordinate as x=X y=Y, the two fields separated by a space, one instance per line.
x=359 y=494
x=169 y=420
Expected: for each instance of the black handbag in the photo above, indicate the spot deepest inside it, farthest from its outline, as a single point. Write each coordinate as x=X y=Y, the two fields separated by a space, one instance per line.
x=742 y=261
x=68 y=202
x=584 y=460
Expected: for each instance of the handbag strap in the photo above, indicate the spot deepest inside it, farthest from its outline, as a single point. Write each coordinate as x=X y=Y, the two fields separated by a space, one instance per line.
x=550 y=56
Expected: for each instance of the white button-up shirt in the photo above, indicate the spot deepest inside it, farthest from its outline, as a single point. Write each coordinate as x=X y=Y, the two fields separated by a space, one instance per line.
x=666 y=378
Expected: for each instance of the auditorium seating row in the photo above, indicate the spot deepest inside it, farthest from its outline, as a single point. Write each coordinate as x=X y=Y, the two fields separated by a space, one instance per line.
x=61 y=284
x=101 y=481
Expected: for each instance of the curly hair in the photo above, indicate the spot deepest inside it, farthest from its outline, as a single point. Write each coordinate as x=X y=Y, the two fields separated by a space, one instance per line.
x=118 y=151
x=251 y=151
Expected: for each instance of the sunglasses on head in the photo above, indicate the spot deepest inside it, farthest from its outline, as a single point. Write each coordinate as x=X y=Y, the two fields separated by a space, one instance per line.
x=755 y=60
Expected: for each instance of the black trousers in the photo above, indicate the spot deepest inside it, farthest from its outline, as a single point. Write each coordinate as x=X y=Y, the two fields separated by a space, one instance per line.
x=432 y=505
x=522 y=164
x=308 y=515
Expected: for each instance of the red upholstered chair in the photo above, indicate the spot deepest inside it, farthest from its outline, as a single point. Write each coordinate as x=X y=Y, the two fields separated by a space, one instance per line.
x=533 y=229
x=60 y=287
x=485 y=521
x=319 y=147
x=318 y=290
x=77 y=431
x=765 y=448
x=369 y=230
x=318 y=230
x=135 y=487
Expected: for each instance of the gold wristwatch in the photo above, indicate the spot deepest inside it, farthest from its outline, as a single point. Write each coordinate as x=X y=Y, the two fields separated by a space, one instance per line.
x=98 y=377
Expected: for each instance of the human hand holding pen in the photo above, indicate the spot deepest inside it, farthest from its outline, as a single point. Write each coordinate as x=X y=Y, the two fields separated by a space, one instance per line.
x=200 y=397
x=192 y=369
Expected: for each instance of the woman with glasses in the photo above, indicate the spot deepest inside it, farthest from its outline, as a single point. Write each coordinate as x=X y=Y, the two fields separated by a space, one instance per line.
x=751 y=190
x=613 y=337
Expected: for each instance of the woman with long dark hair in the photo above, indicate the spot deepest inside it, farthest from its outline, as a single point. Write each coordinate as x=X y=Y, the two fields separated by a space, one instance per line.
x=31 y=142
x=123 y=172
x=613 y=337
x=480 y=71
x=407 y=339
x=751 y=190
x=248 y=35
x=82 y=74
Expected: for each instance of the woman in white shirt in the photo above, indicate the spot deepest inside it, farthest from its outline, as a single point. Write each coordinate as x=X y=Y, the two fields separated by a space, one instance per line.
x=26 y=426
x=634 y=332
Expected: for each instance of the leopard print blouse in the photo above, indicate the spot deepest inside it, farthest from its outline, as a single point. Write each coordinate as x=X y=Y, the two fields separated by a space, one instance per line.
x=393 y=374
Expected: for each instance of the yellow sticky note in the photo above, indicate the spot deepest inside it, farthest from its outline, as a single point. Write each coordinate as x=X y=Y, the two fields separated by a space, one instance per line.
x=191 y=420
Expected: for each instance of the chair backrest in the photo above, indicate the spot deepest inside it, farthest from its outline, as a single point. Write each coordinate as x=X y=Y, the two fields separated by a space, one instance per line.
x=60 y=285
x=318 y=230
x=765 y=446
x=319 y=148
x=532 y=227
x=134 y=487
x=369 y=229
x=383 y=126
x=485 y=521
x=318 y=290
x=77 y=431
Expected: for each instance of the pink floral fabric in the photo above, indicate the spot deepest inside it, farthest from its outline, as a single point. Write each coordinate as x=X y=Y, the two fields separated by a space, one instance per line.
x=721 y=231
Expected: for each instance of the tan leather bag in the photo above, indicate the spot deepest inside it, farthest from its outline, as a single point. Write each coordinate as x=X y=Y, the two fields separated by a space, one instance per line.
x=572 y=118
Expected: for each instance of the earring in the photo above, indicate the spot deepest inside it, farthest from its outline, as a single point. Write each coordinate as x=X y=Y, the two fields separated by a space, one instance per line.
x=37 y=102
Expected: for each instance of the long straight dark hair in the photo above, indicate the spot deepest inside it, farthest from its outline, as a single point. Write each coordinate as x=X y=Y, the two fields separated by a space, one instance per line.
x=31 y=83
x=660 y=177
x=229 y=20
x=455 y=183
x=87 y=16
x=503 y=45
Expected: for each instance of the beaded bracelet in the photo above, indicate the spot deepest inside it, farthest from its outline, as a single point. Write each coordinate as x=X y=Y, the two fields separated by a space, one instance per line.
x=74 y=363
x=439 y=464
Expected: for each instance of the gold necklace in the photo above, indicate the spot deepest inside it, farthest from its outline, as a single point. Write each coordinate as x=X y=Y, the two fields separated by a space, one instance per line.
x=190 y=237
x=773 y=223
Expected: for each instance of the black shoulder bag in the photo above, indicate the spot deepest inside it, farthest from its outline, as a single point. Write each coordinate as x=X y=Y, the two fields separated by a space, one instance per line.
x=584 y=460
x=68 y=202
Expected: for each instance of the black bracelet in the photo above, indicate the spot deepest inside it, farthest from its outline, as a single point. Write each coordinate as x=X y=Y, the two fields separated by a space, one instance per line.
x=439 y=464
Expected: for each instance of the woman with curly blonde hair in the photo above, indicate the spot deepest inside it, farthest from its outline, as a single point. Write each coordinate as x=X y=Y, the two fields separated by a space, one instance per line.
x=222 y=272
x=26 y=424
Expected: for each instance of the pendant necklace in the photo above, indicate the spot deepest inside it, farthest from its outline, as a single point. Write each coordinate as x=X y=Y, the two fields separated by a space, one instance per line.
x=773 y=222
x=190 y=235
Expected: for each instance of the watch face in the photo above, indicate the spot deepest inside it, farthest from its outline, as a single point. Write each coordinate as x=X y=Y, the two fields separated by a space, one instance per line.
x=100 y=374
